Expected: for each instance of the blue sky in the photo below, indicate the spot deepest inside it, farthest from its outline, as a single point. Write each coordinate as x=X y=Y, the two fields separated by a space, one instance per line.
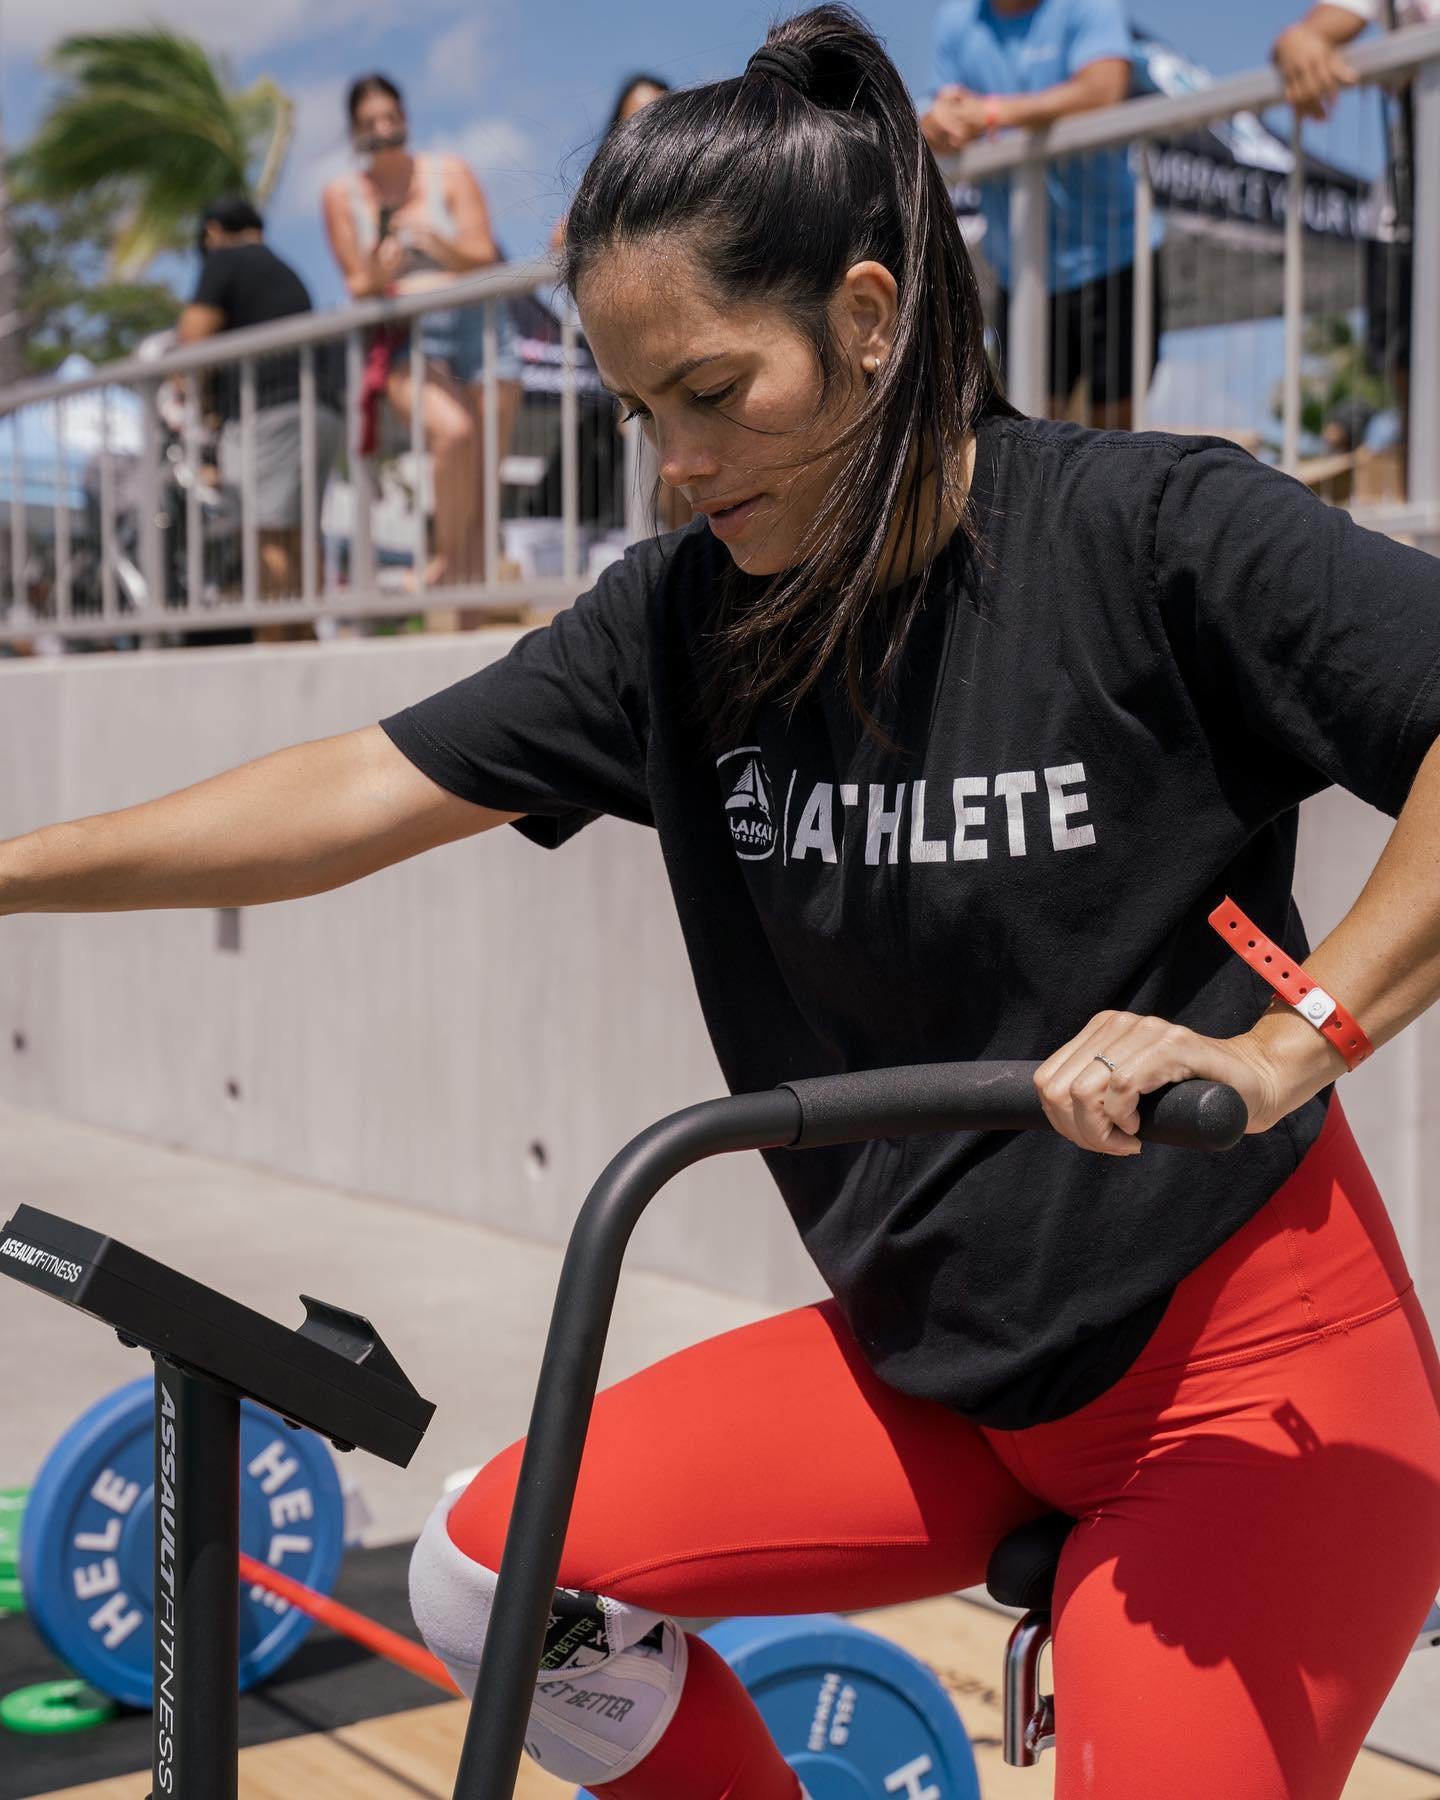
x=520 y=89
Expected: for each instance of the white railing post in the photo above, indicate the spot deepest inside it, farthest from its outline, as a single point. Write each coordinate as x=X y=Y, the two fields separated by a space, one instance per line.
x=19 y=543
x=62 y=520
x=1144 y=352
x=151 y=546
x=569 y=451
x=1027 y=379
x=249 y=488
x=109 y=601
x=636 y=465
x=420 y=524
x=309 y=490
x=194 y=519
x=362 y=553
x=1424 y=405
x=490 y=559
x=1294 y=299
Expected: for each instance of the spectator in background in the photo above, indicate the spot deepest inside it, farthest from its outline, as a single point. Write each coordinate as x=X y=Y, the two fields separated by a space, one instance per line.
x=242 y=282
x=1020 y=64
x=671 y=508
x=1308 y=53
x=405 y=223
x=637 y=92
x=1309 y=57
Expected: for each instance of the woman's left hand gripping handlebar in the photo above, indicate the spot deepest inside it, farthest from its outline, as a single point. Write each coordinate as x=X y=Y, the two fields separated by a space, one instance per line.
x=1091 y=1087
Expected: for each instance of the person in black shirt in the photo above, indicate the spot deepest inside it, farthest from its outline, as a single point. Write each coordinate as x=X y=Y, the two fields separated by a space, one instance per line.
x=955 y=729
x=242 y=282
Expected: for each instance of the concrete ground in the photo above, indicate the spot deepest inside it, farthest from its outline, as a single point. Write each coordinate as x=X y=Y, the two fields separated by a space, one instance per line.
x=463 y=1308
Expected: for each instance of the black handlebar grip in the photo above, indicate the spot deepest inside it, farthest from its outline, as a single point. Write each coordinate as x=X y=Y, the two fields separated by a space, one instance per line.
x=1194 y=1115
x=992 y=1096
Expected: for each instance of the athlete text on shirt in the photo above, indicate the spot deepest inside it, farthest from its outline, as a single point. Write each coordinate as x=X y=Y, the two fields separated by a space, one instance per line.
x=928 y=821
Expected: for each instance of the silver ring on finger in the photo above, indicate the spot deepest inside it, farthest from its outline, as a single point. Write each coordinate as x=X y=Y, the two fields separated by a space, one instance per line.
x=1107 y=1062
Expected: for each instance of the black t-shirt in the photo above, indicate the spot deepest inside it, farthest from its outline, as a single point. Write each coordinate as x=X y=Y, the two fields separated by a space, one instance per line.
x=1110 y=715
x=252 y=286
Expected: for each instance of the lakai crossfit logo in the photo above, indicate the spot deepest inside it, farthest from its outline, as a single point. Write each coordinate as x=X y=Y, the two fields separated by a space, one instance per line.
x=749 y=805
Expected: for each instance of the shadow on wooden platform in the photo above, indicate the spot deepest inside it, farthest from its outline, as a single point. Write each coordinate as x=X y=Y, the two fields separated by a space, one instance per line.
x=412 y=1756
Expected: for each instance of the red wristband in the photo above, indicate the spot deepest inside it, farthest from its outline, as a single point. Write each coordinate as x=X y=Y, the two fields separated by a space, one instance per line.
x=1290 y=982
x=992 y=115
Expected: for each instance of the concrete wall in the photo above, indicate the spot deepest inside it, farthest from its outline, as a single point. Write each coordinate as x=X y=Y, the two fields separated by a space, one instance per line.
x=474 y=1032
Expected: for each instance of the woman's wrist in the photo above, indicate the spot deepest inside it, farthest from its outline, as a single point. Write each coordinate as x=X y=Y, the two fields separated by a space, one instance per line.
x=1299 y=1062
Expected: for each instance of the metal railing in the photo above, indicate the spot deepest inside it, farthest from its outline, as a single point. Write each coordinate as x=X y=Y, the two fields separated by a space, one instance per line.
x=136 y=500
x=1030 y=160
x=136 y=497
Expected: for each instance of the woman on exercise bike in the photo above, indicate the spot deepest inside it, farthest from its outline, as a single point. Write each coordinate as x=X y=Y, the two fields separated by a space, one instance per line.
x=954 y=728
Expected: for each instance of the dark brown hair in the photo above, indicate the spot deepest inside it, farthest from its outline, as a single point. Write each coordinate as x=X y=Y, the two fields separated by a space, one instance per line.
x=658 y=82
x=810 y=162
x=366 y=85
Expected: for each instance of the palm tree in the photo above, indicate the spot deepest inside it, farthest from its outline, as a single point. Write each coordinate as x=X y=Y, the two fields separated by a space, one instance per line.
x=147 y=118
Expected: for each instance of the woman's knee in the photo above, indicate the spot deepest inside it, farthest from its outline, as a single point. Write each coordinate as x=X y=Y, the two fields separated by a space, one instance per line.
x=610 y=1674
x=480 y=1516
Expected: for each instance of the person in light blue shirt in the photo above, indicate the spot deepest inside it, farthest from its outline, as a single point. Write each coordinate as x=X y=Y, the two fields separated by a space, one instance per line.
x=1021 y=64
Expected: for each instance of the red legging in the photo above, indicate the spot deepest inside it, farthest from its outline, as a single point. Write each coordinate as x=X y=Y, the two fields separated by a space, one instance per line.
x=1259 y=1507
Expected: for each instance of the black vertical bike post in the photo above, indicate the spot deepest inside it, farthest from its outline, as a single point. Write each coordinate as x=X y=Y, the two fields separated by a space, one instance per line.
x=333 y=1374
x=564 y=1395
x=835 y=1109
x=196 y=1738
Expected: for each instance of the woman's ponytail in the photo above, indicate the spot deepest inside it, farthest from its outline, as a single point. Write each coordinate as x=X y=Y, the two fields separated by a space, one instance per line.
x=810 y=162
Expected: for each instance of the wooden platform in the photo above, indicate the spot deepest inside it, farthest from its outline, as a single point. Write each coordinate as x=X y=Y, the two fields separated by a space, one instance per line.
x=412 y=1756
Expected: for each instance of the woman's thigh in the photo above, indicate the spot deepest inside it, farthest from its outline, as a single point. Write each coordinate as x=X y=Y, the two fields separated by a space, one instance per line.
x=1230 y=1621
x=767 y=1470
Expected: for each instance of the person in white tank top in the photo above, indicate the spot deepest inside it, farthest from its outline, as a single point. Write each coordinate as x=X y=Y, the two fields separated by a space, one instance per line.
x=1308 y=53
x=403 y=222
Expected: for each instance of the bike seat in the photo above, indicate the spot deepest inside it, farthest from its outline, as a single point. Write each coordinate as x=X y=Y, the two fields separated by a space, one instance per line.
x=1023 y=1564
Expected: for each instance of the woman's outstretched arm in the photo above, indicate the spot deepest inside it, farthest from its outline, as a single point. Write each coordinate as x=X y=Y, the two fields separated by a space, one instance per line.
x=300 y=821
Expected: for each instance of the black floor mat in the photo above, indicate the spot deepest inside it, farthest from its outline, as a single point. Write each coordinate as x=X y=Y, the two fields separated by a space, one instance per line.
x=327 y=1683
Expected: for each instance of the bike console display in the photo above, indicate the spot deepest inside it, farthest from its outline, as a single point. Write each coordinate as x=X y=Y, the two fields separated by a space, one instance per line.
x=334 y=1373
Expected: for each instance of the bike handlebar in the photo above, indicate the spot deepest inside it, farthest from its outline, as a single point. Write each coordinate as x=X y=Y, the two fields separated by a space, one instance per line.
x=800 y=1115
x=993 y=1096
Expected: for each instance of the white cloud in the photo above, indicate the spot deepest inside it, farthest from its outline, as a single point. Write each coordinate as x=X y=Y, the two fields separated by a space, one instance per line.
x=246 y=30
x=319 y=151
x=491 y=146
x=521 y=185
x=455 y=63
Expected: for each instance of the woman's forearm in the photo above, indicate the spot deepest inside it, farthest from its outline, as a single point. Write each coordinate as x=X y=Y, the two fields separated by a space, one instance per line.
x=1094 y=87
x=1336 y=24
x=1383 y=958
x=471 y=256
x=1382 y=961
x=301 y=821
x=1031 y=112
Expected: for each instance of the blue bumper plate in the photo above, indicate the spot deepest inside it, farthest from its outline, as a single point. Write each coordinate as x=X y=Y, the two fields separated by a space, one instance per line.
x=854 y=1715
x=86 y=1544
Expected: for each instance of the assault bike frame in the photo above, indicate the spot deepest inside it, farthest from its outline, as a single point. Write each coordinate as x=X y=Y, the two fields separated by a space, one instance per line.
x=336 y=1375
x=801 y=1115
